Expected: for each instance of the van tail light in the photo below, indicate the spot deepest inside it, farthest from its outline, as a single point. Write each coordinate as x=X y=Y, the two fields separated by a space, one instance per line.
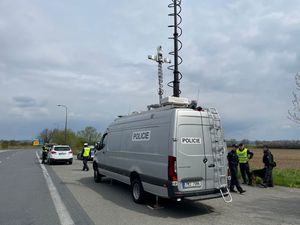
x=70 y=151
x=172 y=173
x=53 y=152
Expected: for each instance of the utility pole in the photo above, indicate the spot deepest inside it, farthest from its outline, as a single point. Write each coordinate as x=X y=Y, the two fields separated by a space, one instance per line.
x=160 y=60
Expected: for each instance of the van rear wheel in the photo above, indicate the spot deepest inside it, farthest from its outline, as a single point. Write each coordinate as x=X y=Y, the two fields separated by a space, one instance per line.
x=137 y=191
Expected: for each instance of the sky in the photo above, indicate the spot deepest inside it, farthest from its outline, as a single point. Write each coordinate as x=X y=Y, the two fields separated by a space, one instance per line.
x=92 y=56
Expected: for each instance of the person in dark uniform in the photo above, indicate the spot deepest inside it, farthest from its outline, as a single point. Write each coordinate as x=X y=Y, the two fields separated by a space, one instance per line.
x=244 y=156
x=269 y=163
x=266 y=173
x=44 y=154
x=233 y=162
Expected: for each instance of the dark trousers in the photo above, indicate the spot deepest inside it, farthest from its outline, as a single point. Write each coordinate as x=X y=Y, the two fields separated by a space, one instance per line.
x=85 y=163
x=245 y=169
x=234 y=179
x=44 y=157
x=268 y=179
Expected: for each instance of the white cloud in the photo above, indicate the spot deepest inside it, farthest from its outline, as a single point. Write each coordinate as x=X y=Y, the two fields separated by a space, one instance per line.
x=241 y=55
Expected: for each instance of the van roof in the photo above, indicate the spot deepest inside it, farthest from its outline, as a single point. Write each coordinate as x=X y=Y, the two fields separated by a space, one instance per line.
x=151 y=112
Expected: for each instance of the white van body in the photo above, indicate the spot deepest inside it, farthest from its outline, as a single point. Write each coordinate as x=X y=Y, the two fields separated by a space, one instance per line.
x=173 y=152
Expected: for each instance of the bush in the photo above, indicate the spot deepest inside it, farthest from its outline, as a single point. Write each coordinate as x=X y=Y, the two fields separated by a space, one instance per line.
x=4 y=144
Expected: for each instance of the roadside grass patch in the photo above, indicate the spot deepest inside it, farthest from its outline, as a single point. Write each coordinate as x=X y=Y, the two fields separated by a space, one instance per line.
x=287 y=177
x=282 y=177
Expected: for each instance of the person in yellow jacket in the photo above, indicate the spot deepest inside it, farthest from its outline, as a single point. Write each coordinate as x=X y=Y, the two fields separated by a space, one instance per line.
x=86 y=152
x=244 y=155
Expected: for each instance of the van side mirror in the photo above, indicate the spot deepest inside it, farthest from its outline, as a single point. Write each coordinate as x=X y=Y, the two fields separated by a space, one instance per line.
x=99 y=146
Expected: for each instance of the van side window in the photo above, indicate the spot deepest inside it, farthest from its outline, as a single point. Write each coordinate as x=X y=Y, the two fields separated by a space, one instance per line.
x=100 y=145
x=104 y=140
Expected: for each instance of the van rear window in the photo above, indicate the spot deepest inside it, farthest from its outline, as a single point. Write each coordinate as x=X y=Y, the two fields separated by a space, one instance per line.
x=61 y=148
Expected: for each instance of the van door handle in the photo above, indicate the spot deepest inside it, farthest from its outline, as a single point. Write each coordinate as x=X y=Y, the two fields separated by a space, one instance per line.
x=211 y=165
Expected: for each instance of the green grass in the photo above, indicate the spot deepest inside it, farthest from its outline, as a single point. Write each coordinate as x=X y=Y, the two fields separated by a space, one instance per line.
x=287 y=177
x=282 y=177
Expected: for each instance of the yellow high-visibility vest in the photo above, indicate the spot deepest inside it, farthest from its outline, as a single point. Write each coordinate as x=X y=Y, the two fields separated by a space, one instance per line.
x=243 y=156
x=86 y=152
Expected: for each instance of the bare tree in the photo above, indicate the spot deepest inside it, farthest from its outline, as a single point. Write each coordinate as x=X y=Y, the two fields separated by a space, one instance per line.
x=46 y=135
x=294 y=113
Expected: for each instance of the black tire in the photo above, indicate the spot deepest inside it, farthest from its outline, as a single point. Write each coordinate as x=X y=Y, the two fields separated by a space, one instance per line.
x=50 y=161
x=137 y=191
x=70 y=162
x=97 y=176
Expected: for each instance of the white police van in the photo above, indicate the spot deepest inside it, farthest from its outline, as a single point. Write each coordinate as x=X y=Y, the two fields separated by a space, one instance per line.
x=172 y=152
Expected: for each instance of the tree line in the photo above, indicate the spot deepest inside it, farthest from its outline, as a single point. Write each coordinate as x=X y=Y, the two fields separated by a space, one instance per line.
x=88 y=135
x=281 y=144
x=74 y=139
x=91 y=136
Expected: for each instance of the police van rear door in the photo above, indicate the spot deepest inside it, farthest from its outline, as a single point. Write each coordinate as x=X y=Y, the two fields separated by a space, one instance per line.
x=194 y=159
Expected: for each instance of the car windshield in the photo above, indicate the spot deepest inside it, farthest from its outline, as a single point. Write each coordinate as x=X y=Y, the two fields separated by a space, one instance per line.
x=62 y=148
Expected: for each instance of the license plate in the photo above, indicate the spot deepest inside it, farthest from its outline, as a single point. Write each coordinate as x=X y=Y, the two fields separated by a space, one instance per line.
x=62 y=153
x=192 y=184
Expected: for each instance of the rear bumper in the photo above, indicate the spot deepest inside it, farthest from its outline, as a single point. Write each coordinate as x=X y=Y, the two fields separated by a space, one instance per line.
x=61 y=160
x=196 y=195
x=206 y=196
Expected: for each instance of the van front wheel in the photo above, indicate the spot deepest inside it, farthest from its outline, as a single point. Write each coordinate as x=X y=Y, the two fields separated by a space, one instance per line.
x=137 y=191
x=97 y=176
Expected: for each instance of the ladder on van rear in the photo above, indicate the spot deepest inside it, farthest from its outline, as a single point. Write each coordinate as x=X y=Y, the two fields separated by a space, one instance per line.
x=219 y=151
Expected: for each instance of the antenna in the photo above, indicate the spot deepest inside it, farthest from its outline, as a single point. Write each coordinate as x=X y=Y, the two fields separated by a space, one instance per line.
x=176 y=5
x=160 y=60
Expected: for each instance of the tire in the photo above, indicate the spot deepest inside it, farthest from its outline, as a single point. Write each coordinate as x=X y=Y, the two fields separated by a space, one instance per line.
x=49 y=161
x=97 y=176
x=137 y=191
x=70 y=162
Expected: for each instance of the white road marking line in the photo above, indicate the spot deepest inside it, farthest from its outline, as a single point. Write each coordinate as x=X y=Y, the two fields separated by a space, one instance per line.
x=63 y=214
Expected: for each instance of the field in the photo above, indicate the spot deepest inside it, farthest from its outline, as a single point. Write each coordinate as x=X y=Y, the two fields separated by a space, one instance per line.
x=285 y=158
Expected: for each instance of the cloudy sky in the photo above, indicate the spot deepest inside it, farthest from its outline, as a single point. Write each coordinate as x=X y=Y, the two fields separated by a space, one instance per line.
x=239 y=56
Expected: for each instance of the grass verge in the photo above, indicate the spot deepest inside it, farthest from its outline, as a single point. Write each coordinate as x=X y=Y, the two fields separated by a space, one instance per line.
x=282 y=177
x=286 y=177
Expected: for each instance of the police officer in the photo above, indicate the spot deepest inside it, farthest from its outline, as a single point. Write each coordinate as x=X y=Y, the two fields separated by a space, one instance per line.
x=269 y=163
x=244 y=155
x=86 y=151
x=233 y=162
x=44 y=154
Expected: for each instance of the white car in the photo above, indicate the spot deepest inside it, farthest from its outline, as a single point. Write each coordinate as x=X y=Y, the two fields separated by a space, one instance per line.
x=60 y=153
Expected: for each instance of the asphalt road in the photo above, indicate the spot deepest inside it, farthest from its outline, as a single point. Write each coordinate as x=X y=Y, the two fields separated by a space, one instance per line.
x=25 y=199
